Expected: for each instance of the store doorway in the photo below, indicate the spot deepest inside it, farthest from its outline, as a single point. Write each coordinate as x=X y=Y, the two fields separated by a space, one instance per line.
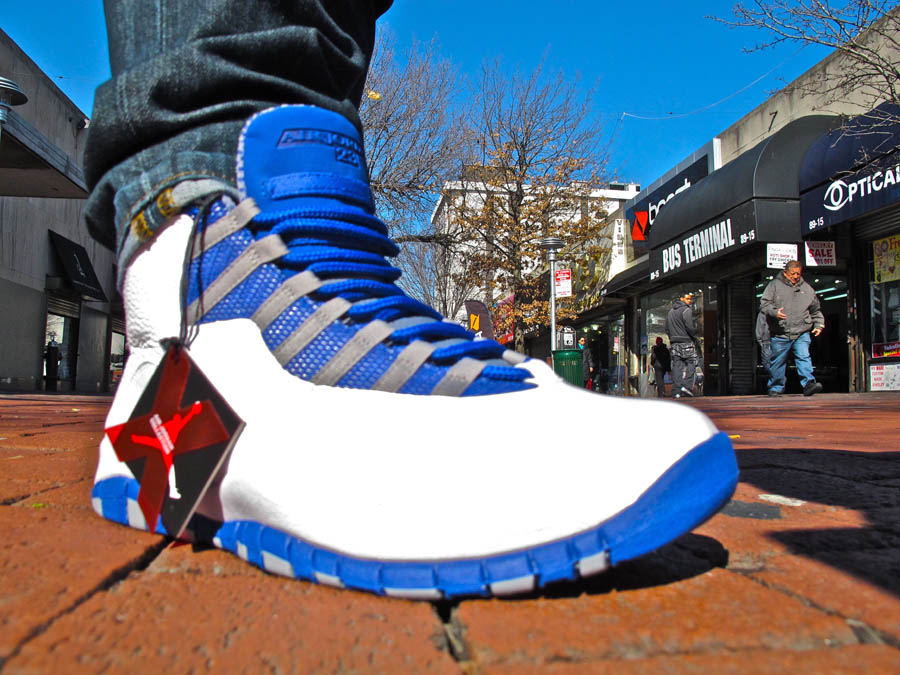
x=60 y=352
x=829 y=354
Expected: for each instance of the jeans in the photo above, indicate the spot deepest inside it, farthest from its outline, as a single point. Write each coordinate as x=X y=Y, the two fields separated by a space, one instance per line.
x=684 y=366
x=781 y=347
x=660 y=376
x=186 y=75
x=765 y=356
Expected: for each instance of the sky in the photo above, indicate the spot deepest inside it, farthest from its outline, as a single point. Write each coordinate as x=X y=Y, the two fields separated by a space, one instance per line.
x=668 y=79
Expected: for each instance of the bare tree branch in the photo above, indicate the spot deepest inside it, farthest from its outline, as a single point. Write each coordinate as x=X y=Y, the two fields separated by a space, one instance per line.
x=864 y=33
x=541 y=154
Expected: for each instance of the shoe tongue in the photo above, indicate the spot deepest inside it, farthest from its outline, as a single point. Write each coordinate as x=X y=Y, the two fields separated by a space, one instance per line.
x=302 y=156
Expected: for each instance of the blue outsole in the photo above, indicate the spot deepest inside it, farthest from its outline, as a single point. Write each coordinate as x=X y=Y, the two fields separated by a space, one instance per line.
x=686 y=495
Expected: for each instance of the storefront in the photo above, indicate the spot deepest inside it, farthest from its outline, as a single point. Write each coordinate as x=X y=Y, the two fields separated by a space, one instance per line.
x=715 y=241
x=850 y=201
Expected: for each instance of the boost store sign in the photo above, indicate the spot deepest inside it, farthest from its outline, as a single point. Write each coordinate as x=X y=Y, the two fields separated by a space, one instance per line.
x=644 y=212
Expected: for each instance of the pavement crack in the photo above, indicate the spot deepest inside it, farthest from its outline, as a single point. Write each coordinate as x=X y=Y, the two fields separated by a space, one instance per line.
x=863 y=633
x=135 y=565
x=17 y=499
x=454 y=632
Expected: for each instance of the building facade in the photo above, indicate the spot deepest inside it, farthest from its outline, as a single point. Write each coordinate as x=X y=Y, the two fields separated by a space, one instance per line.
x=63 y=327
x=806 y=176
x=464 y=199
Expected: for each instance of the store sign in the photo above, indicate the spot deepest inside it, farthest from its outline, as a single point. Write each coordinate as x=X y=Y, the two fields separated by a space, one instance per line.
x=886 y=258
x=563 y=284
x=872 y=187
x=884 y=377
x=644 y=212
x=778 y=255
x=883 y=350
x=820 y=254
x=704 y=243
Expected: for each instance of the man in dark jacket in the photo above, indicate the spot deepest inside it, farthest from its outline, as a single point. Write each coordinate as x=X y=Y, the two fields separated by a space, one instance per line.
x=661 y=361
x=682 y=336
x=792 y=310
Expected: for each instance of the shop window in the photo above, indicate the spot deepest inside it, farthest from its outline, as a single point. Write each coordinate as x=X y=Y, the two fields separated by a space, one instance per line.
x=655 y=308
x=885 y=297
x=605 y=337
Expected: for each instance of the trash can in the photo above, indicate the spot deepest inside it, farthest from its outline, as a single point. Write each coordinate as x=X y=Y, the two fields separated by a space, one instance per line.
x=567 y=364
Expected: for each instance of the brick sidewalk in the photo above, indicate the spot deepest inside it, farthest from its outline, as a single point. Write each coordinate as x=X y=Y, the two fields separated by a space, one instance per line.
x=799 y=573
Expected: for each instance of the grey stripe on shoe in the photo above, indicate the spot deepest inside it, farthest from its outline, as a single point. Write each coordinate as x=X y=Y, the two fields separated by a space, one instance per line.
x=404 y=366
x=459 y=377
x=224 y=227
x=307 y=331
x=365 y=339
x=258 y=253
x=514 y=358
x=284 y=296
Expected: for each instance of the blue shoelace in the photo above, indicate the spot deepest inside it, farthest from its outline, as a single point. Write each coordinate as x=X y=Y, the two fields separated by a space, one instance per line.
x=347 y=248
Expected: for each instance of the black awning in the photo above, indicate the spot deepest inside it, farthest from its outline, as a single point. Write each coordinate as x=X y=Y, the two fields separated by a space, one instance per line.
x=78 y=267
x=852 y=170
x=753 y=198
x=629 y=281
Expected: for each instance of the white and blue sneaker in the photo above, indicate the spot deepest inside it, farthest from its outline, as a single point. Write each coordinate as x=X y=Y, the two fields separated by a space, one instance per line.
x=385 y=449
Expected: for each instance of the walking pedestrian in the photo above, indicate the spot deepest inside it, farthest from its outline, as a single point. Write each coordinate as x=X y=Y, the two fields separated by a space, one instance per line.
x=661 y=360
x=682 y=332
x=794 y=314
x=587 y=363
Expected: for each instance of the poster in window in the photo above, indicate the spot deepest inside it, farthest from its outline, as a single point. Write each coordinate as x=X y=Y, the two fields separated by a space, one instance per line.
x=885 y=377
x=886 y=254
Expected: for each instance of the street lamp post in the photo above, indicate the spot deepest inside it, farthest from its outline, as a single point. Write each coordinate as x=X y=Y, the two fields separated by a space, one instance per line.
x=10 y=95
x=552 y=245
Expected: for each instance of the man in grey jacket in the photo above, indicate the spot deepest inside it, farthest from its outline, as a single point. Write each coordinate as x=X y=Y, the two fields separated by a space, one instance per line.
x=792 y=309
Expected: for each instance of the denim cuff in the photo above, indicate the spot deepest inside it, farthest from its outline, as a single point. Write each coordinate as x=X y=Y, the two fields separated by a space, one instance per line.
x=140 y=204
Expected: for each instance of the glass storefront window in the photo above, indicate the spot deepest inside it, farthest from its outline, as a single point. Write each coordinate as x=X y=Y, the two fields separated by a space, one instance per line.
x=885 y=300
x=605 y=337
x=655 y=308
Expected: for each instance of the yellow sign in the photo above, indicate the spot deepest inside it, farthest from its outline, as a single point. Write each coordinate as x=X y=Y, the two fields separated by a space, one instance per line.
x=887 y=259
x=474 y=322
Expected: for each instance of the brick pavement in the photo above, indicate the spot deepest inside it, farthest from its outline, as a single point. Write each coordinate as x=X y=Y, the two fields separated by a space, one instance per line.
x=799 y=573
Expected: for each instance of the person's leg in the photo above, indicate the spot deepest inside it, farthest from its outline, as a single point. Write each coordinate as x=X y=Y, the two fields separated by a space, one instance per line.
x=678 y=366
x=660 y=376
x=186 y=75
x=804 y=365
x=690 y=370
x=780 y=347
x=765 y=355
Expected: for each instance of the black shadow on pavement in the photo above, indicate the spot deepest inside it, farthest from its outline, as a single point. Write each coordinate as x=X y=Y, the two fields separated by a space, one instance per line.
x=865 y=482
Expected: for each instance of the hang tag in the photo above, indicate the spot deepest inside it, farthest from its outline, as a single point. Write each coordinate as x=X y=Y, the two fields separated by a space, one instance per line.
x=176 y=441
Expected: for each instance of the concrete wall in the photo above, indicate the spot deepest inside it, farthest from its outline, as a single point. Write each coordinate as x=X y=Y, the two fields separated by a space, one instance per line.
x=48 y=110
x=27 y=257
x=24 y=316
x=816 y=92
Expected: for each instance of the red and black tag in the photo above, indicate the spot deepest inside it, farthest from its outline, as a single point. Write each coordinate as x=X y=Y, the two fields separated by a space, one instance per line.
x=177 y=439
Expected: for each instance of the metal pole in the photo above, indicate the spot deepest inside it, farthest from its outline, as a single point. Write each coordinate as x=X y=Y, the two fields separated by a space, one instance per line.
x=551 y=255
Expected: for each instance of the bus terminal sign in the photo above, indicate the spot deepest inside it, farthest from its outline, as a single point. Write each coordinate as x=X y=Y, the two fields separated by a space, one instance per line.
x=705 y=243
